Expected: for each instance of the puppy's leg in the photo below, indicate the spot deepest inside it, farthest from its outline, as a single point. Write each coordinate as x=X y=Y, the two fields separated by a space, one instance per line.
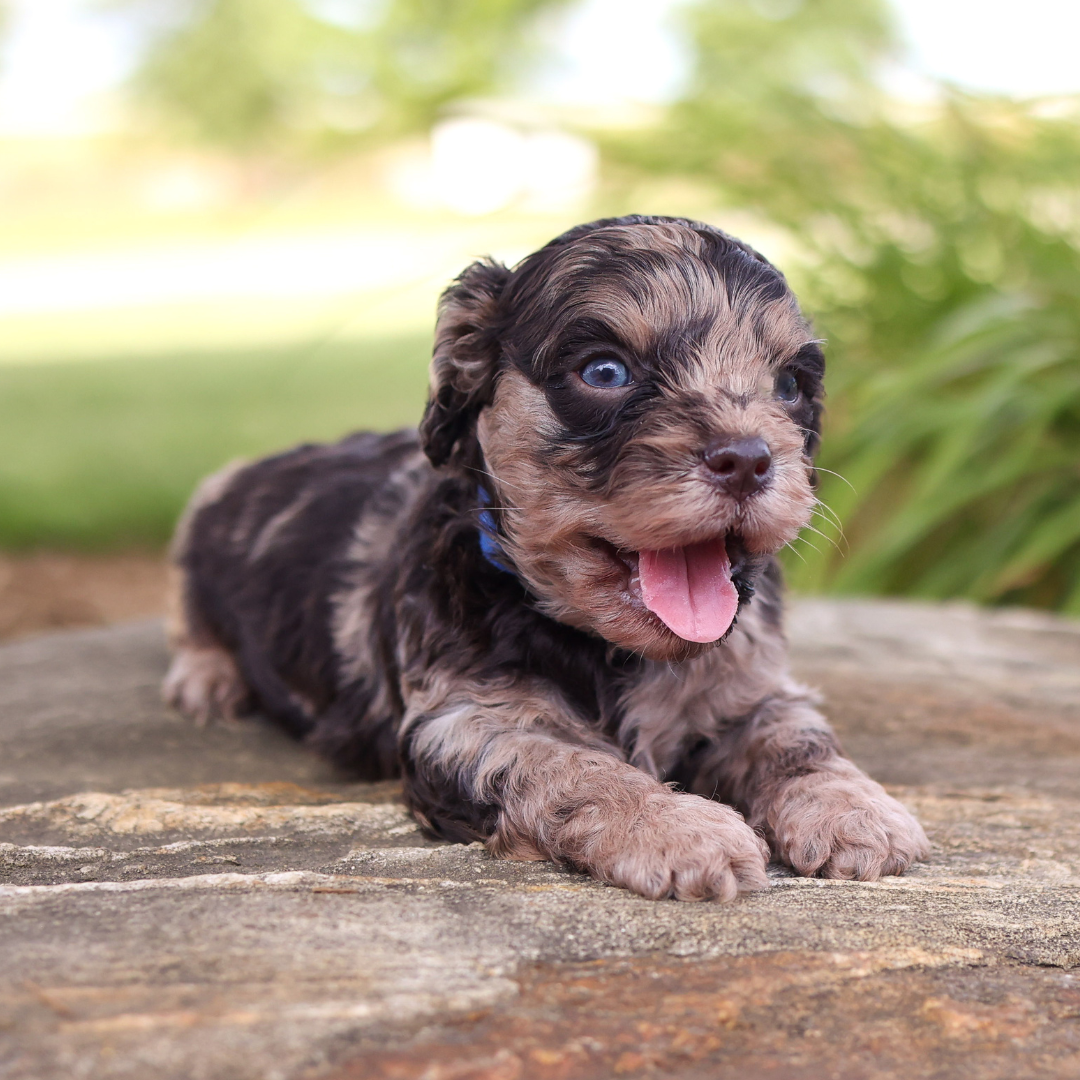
x=203 y=680
x=536 y=786
x=821 y=813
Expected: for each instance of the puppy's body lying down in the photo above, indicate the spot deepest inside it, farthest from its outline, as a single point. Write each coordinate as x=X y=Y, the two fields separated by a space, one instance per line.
x=555 y=610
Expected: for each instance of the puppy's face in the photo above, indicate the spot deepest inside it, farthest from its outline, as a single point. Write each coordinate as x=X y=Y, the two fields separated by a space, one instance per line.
x=645 y=398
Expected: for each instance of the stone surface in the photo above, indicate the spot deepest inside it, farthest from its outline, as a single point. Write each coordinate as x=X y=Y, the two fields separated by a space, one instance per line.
x=216 y=903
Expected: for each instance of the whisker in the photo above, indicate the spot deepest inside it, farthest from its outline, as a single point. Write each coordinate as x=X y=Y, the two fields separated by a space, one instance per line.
x=829 y=515
x=824 y=537
x=798 y=554
x=838 y=476
x=826 y=519
x=492 y=476
x=841 y=544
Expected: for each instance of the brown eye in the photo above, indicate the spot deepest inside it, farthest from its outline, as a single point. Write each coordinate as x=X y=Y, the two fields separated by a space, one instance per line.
x=786 y=386
x=606 y=373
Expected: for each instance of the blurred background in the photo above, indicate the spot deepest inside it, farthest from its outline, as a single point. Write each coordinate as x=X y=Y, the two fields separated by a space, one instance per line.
x=225 y=224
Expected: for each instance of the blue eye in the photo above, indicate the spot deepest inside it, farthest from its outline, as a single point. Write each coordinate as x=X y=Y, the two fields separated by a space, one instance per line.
x=787 y=387
x=606 y=372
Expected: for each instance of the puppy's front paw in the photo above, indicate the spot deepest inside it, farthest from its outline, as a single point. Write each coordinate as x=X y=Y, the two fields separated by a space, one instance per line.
x=844 y=825
x=684 y=847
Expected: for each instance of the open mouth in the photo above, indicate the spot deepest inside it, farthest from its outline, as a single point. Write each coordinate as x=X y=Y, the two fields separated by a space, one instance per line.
x=690 y=588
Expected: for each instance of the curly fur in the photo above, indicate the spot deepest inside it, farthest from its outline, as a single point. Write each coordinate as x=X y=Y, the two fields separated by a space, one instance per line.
x=343 y=590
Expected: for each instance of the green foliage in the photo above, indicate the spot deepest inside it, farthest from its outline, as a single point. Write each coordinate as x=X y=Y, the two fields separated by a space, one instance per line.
x=103 y=453
x=430 y=53
x=939 y=250
x=235 y=69
x=937 y=246
x=253 y=73
x=965 y=461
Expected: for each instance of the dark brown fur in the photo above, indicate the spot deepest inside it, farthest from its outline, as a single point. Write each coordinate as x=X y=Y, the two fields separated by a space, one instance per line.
x=542 y=708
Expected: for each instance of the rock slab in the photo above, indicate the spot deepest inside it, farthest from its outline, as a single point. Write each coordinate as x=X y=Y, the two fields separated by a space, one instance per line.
x=216 y=903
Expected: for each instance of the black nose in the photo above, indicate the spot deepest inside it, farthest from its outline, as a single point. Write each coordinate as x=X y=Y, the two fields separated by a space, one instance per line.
x=741 y=465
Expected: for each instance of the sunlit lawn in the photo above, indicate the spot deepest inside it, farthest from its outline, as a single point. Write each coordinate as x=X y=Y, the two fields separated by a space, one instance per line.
x=112 y=406
x=103 y=453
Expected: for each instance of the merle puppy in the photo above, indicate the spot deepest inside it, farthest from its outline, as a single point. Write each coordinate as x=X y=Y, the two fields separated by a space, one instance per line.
x=555 y=611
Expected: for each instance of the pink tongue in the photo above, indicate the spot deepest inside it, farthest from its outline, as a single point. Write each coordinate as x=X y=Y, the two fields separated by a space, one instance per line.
x=690 y=589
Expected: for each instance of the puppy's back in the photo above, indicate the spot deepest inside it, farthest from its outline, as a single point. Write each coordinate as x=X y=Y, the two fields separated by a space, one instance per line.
x=261 y=552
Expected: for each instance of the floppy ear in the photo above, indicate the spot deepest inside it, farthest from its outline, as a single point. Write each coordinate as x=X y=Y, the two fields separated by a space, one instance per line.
x=465 y=359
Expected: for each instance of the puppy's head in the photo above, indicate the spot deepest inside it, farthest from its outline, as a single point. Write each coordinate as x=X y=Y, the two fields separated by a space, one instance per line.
x=641 y=398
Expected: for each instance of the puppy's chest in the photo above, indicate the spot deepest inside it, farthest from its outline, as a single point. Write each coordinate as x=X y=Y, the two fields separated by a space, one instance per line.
x=668 y=703
x=642 y=703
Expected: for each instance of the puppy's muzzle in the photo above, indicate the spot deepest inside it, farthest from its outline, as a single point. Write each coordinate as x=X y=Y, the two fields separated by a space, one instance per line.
x=740 y=466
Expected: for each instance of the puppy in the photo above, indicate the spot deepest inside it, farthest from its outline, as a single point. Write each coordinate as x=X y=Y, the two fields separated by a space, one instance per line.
x=555 y=611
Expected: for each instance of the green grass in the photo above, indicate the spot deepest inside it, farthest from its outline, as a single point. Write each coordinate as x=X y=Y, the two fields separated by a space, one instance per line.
x=103 y=454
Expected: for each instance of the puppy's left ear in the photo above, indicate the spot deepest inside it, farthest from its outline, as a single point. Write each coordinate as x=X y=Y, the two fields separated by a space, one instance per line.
x=466 y=358
x=811 y=364
x=813 y=426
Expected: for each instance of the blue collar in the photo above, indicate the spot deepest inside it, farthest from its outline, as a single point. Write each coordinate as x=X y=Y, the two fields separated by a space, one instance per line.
x=489 y=534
